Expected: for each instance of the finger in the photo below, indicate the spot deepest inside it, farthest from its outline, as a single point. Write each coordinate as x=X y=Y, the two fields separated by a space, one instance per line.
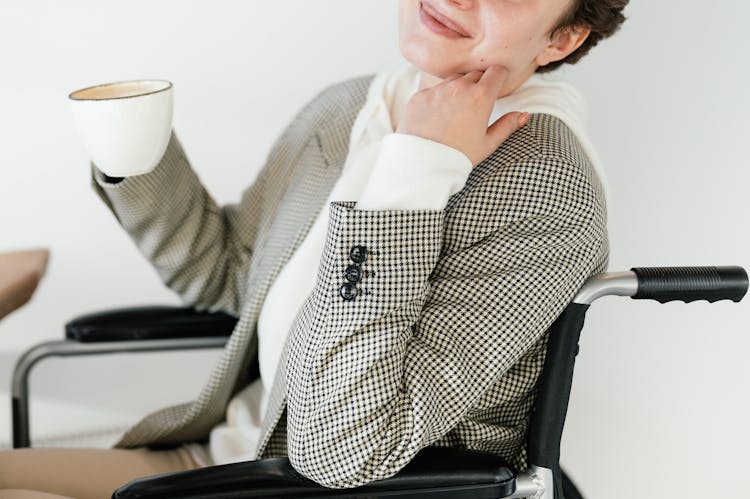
x=494 y=77
x=504 y=127
x=473 y=76
x=451 y=77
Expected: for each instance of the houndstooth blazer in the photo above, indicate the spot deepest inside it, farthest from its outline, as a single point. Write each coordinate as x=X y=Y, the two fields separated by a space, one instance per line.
x=443 y=340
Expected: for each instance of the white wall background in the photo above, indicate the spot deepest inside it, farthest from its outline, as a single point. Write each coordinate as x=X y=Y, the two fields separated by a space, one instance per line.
x=659 y=406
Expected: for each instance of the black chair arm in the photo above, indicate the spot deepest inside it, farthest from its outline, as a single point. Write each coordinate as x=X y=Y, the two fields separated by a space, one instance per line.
x=148 y=323
x=433 y=472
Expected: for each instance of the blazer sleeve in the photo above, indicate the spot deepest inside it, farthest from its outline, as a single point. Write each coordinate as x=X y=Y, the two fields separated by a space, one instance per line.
x=374 y=379
x=199 y=250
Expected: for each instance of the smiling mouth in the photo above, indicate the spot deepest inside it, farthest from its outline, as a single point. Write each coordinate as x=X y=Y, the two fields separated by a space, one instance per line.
x=435 y=25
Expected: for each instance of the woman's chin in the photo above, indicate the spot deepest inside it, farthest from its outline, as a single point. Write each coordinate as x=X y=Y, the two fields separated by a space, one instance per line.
x=427 y=61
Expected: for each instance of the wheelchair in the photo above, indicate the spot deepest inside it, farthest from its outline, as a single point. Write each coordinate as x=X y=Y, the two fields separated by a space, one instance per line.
x=435 y=472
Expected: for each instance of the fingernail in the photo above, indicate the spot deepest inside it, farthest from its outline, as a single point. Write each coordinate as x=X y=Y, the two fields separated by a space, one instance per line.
x=523 y=118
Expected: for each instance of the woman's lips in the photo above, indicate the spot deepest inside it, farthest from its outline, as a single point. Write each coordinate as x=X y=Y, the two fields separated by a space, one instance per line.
x=436 y=26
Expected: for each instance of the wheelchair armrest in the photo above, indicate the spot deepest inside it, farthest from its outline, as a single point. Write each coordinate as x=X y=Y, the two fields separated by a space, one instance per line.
x=159 y=328
x=434 y=470
x=148 y=323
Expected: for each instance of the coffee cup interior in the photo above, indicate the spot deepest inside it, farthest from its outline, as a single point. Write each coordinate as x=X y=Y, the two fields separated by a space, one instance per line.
x=121 y=90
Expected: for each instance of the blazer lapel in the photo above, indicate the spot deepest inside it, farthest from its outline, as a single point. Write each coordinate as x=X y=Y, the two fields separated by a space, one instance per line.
x=318 y=164
x=333 y=143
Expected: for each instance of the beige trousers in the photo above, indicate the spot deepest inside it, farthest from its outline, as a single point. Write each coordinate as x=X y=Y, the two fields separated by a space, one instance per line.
x=82 y=473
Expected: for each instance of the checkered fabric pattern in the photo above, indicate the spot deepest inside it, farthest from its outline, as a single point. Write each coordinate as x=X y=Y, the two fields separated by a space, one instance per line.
x=445 y=337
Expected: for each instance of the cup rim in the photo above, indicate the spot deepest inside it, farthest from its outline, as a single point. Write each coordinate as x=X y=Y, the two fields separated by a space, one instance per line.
x=71 y=94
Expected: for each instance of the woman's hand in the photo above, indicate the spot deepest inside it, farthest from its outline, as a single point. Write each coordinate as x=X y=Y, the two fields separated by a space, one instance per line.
x=456 y=111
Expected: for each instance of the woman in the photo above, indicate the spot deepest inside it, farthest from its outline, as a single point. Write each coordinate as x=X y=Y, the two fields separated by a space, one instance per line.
x=394 y=266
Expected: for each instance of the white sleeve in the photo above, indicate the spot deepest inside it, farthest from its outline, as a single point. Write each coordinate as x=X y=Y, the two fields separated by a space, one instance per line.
x=414 y=173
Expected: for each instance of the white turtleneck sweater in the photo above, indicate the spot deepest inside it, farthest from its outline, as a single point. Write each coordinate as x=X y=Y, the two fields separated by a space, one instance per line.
x=383 y=170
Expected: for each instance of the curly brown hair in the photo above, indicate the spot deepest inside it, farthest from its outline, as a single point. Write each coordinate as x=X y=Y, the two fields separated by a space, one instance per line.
x=604 y=17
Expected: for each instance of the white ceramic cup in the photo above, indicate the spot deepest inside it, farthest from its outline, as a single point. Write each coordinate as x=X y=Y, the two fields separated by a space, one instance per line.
x=125 y=125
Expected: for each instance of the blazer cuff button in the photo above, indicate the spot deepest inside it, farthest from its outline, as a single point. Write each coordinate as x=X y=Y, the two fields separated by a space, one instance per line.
x=348 y=291
x=358 y=254
x=353 y=273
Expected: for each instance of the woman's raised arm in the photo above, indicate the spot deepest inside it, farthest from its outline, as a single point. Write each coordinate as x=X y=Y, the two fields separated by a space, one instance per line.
x=200 y=250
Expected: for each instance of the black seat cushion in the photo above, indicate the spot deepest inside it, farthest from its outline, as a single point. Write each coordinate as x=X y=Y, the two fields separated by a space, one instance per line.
x=434 y=472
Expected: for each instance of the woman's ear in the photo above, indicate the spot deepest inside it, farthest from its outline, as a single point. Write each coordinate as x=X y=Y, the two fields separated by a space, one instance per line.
x=562 y=43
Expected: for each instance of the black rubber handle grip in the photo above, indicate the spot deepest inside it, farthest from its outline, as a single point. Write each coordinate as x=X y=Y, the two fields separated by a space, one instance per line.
x=688 y=284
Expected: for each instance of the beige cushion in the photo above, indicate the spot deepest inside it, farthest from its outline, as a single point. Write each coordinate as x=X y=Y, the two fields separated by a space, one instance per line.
x=20 y=272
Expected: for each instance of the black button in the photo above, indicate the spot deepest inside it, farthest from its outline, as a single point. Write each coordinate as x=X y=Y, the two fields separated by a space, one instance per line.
x=358 y=254
x=348 y=291
x=353 y=273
